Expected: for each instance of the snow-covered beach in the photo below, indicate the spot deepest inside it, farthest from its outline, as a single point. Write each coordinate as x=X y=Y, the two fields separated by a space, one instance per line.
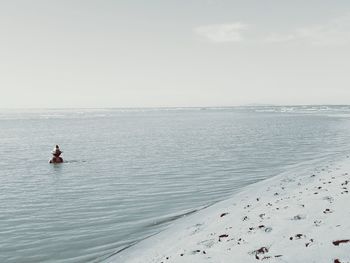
x=299 y=216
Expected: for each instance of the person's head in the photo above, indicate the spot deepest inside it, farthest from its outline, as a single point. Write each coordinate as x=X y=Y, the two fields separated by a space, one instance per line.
x=56 y=152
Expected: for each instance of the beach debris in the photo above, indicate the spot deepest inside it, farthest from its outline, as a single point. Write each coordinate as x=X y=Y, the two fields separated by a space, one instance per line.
x=222 y=236
x=298 y=217
x=252 y=237
x=260 y=251
x=327 y=211
x=223 y=214
x=297 y=236
x=268 y=229
x=317 y=222
x=337 y=242
x=309 y=243
x=345 y=183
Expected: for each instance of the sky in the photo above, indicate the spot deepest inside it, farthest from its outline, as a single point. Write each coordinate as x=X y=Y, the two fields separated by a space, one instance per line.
x=167 y=53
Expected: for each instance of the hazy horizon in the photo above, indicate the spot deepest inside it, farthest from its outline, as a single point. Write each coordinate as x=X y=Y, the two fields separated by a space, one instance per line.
x=197 y=53
x=178 y=107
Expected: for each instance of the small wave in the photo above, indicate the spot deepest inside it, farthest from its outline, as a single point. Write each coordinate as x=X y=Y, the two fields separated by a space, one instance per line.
x=75 y=161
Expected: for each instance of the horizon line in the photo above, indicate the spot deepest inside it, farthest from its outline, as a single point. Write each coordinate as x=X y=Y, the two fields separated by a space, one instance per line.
x=172 y=107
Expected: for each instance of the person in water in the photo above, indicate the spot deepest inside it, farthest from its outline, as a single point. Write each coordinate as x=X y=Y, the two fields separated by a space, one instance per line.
x=56 y=155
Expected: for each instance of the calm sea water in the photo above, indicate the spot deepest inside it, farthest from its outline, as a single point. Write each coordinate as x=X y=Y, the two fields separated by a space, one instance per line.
x=130 y=172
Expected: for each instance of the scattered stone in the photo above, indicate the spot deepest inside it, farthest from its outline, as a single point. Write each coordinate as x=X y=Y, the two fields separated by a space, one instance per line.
x=337 y=242
x=309 y=243
x=298 y=217
x=262 y=250
x=268 y=229
x=223 y=214
x=345 y=183
x=297 y=236
x=259 y=251
x=327 y=211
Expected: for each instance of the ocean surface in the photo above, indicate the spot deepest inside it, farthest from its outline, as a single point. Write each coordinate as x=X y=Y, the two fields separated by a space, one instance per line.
x=130 y=172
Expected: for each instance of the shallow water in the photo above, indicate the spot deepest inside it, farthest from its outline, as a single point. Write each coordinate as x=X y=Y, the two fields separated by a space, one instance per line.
x=129 y=172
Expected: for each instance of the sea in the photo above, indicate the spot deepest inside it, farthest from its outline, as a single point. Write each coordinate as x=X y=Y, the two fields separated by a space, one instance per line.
x=129 y=173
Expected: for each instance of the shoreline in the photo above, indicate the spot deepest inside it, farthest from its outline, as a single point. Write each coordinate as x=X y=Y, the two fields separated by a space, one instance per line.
x=297 y=216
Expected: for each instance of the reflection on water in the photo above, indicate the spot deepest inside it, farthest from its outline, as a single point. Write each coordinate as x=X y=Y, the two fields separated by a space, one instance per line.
x=127 y=173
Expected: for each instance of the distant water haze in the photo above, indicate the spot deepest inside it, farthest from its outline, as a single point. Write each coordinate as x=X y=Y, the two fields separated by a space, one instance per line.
x=130 y=172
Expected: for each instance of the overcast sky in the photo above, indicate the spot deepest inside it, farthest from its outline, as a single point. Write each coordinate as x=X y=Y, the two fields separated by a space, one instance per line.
x=81 y=53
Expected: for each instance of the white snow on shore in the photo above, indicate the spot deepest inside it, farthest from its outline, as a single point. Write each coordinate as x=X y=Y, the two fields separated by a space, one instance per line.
x=303 y=217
